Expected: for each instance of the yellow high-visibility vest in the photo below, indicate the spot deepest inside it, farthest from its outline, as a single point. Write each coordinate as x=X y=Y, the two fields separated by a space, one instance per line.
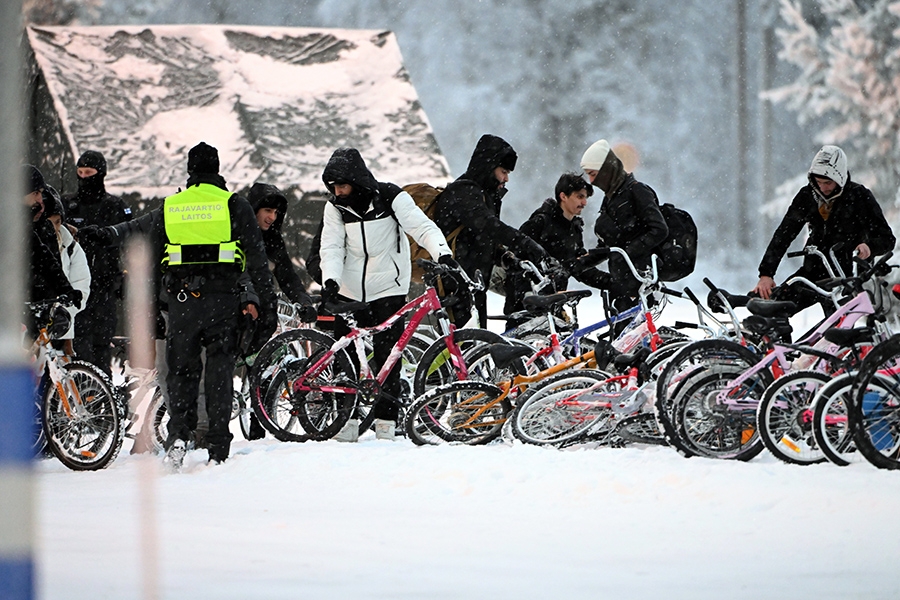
x=198 y=226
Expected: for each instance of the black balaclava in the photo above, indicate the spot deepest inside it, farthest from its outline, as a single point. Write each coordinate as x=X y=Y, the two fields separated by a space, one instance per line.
x=92 y=188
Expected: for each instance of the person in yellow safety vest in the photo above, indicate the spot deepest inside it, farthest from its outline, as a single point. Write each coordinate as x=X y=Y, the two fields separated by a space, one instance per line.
x=214 y=271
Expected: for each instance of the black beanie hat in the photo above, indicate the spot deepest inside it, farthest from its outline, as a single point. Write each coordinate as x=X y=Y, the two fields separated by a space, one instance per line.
x=203 y=158
x=93 y=160
x=34 y=181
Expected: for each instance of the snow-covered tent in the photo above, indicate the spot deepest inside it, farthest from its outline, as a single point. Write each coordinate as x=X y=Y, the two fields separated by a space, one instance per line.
x=275 y=101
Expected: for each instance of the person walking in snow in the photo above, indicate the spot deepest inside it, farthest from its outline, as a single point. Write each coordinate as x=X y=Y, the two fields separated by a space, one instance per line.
x=473 y=202
x=836 y=210
x=629 y=219
x=93 y=205
x=365 y=257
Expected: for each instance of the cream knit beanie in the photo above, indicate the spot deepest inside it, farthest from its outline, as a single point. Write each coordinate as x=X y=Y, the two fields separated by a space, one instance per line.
x=595 y=156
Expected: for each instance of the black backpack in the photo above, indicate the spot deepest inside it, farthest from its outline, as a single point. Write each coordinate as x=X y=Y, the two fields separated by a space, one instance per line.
x=678 y=252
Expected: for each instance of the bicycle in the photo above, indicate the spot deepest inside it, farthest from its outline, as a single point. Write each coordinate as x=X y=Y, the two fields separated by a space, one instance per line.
x=714 y=407
x=313 y=387
x=80 y=414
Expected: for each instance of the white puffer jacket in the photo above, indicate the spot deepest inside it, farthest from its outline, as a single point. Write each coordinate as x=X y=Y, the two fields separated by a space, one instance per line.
x=368 y=255
x=75 y=266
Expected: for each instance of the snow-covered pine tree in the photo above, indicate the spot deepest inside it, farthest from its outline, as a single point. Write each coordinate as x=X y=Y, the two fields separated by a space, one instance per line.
x=849 y=83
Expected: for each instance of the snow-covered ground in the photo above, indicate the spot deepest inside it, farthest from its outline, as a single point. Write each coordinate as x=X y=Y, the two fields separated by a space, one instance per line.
x=391 y=520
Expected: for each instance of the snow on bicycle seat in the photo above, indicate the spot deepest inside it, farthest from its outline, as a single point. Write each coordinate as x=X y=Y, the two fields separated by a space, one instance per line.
x=849 y=337
x=553 y=301
x=506 y=354
x=771 y=308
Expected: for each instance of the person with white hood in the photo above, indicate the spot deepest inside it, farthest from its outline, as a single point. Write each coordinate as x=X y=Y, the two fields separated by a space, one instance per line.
x=836 y=210
x=72 y=258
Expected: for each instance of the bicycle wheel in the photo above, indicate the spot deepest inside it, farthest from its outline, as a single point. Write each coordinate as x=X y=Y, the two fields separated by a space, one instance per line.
x=784 y=417
x=831 y=424
x=875 y=409
x=435 y=367
x=86 y=435
x=705 y=426
x=157 y=418
x=460 y=411
x=694 y=358
x=301 y=415
x=550 y=413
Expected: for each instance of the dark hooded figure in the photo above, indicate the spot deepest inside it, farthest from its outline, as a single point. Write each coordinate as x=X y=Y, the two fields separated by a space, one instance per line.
x=93 y=205
x=473 y=202
x=629 y=219
x=215 y=274
x=270 y=207
x=46 y=277
x=837 y=211
x=365 y=257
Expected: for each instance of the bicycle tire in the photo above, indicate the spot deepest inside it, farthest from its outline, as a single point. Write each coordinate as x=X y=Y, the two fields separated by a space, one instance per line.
x=831 y=424
x=156 y=416
x=435 y=367
x=875 y=409
x=539 y=419
x=442 y=414
x=694 y=357
x=300 y=416
x=704 y=427
x=89 y=441
x=784 y=417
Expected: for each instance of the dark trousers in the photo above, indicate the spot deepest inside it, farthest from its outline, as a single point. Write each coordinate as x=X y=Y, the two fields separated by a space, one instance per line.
x=211 y=322
x=94 y=330
x=376 y=313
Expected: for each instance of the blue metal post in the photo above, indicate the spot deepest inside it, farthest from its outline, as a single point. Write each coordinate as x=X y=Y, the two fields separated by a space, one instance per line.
x=16 y=380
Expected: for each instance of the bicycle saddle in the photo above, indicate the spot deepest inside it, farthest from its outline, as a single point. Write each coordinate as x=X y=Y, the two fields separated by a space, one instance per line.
x=771 y=308
x=553 y=301
x=344 y=308
x=505 y=355
x=849 y=337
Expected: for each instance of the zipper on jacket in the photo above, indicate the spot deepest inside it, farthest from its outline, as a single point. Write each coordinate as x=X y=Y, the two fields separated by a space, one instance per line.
x=362 y=229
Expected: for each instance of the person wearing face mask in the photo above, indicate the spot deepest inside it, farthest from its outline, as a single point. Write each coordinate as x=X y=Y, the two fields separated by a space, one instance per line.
x=473 y=202
x=836 y=210
x=93 y=205
x=629 y=218
x=365 y=257
x=558 y=227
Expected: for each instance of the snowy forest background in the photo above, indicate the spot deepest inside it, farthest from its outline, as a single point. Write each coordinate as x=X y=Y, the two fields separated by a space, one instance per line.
x=724 y=103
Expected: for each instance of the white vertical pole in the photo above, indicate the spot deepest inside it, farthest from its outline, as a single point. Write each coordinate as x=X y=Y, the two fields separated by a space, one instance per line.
x=16 y=380
x=142 y=347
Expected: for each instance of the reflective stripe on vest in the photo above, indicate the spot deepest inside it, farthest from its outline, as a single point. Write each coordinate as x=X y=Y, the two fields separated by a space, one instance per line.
x=198 y=227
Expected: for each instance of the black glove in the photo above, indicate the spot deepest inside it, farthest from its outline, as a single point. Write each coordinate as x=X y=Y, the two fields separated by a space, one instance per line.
x=448 y=261
x=307 y=313
x=92 y=234
x=534 y=251
x=330 y=291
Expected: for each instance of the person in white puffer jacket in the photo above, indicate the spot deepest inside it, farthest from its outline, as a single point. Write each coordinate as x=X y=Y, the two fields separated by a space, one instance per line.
x=72 y=257
x=365 y=258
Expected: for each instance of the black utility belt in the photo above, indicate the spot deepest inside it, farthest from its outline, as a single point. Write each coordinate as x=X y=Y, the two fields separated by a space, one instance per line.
x=196 y=285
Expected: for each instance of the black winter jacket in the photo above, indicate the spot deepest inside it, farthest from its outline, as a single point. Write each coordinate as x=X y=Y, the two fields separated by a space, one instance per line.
x=563 y=240
x=473 y=201
x=46 y=277
x=282 y=267
x=99 y=208
x=856 y=218
x=255 y=282
x=630 y=219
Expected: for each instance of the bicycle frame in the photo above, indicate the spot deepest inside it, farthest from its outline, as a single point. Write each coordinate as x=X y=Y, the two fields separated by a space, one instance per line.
x=845 y=318
x=423 y=305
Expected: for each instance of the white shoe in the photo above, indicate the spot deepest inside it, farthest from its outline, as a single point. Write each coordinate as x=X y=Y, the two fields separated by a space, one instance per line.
x=349 y=432
x=175 y=456
x=384 y=430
